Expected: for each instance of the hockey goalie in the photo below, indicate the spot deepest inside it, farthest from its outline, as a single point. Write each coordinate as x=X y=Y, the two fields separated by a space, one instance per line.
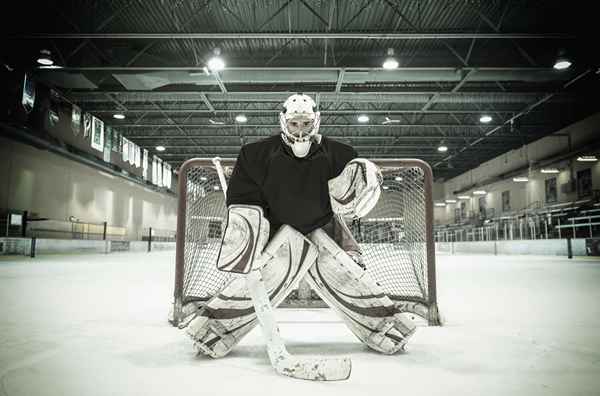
x=288 y=198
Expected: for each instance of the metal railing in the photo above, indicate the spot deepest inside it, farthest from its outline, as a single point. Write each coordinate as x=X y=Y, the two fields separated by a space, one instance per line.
x=566 y=220
x=73 y=229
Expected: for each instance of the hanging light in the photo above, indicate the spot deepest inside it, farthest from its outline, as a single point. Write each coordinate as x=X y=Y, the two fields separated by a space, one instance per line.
x=160 y=148
x=363 y=118
x=587 y=158
x=241 y=118
x=390 y=62
x=442 y=148
x=45 y=58
x=550 y=170
x=216 y=63
x=485 y=119
x=562 y=64
x=562 y=61
x=119 y=116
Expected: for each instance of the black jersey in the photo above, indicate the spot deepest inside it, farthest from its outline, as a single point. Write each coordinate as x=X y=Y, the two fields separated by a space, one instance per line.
x=290 y=190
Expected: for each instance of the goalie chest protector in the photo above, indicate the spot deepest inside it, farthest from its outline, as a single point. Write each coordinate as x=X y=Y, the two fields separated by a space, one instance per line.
x=290 y=190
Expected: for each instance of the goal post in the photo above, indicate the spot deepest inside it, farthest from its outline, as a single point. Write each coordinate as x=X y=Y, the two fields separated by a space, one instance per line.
x=396 y=236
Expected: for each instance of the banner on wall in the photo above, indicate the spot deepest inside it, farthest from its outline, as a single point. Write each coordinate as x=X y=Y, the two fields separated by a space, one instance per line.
x=107 y=143
x=154 y=171
x=145 y=165
x=116 y=138
x=138 y=156
x=76 y=120
x=131 y=153
x=125 y=150
x=167 y=175
x=97 y=134
x=28 y=97
x=87 y=125
x=159 y=172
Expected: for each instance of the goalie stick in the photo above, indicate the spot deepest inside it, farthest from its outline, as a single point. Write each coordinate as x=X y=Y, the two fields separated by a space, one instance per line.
x=308 y=368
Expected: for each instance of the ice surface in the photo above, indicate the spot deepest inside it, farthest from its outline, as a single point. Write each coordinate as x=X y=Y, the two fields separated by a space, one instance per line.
x=96 y=325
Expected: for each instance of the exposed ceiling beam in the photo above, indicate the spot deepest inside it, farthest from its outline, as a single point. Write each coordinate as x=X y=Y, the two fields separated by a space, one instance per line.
x=340 y=137
x=195 y=68
x=354 y=111
x=308 y=36
x=363 y=126
x=416 y=148
x=324 y=96
x=521 y=113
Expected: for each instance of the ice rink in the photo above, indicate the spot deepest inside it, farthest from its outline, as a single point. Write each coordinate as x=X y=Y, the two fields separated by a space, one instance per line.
x=97 y=325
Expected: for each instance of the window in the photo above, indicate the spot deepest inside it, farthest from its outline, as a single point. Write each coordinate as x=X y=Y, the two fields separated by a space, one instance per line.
x=584 y=183
x=506 y=201
x=551 y=190
x=482 y=207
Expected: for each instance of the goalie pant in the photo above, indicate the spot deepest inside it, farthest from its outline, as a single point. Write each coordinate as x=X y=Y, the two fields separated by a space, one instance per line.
x=219 y=324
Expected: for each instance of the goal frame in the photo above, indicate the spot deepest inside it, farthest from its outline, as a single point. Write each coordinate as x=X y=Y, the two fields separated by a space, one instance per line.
x=432 y=314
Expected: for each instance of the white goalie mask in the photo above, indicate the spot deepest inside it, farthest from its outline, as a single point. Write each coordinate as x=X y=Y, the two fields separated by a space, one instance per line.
x=300 y=124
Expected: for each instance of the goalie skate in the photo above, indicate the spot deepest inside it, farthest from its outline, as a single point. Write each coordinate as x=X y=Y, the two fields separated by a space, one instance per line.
x=360 y=301
x=217 y=326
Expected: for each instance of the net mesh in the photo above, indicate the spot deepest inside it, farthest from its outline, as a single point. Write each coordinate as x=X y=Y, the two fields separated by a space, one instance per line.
x=392 y=236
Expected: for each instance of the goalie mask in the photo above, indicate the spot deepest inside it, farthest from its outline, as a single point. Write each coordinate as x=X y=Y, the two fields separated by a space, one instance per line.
x=300 y=124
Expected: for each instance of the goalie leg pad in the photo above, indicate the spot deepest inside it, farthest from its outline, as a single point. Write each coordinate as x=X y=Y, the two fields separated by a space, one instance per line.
x=227 y=317
x=357 y=298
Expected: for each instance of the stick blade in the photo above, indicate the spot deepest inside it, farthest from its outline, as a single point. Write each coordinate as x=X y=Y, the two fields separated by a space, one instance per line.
x=316 y=369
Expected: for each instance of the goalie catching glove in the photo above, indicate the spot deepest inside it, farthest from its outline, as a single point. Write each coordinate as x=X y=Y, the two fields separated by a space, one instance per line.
x=355 y=192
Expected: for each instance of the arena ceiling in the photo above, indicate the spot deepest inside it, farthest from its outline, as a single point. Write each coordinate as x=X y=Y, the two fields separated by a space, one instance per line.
x=458 y=60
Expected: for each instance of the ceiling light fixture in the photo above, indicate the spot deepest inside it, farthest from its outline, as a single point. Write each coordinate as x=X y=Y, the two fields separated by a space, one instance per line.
x=520 y=179
x=160 y=148
x=562 y=64
x=215 y=122
x=562 y=60
x=363 y=118
x=463 y=197
x=485 y=119
x=45 y=58
x=241 y=118
x=451 y=201
x=390 y=62
x=587 y=158
x=440 y=204
x=479 y=192
x=550 y=170
x=398 y=178
x=216 y=63
x=442 y=148
x=119 y=116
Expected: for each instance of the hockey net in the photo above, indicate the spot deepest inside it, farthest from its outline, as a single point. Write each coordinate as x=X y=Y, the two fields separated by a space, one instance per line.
x=396 y=236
